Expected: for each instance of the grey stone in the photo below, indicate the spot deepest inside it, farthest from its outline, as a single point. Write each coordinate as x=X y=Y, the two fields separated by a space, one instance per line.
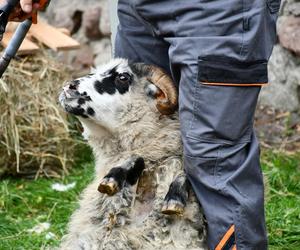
x=90 y=22
x=92 y=31
x=102 y=50
x=84 y=58
x=294 y=8
x=289 y=33
x=104 y=24
x=284 y=78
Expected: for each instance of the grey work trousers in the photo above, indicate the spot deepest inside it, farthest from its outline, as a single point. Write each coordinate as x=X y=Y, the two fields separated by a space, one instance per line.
x=217 y=52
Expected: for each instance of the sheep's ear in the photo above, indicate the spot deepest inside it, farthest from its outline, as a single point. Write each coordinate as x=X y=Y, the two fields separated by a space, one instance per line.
x=165 y=92
x=152 y=91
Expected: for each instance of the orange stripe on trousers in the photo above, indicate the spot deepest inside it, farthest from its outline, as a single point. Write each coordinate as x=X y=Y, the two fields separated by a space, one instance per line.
x=225 y=238
x=234 y=84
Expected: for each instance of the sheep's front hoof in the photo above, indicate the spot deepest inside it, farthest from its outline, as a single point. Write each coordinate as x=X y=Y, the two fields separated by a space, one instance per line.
x=177 y=196
x=172 y=207
x=108 y=186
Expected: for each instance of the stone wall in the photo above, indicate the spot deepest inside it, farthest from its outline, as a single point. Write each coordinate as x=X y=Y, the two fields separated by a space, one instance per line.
x=88 y=22
x=283 y=91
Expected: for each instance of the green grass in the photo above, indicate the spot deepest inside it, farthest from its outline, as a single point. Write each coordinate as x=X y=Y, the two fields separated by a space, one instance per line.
x=283 y=200
x=24 y=204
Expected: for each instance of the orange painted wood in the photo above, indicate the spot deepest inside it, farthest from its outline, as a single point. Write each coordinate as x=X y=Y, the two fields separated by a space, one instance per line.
x=52 y=37
x=27 y=46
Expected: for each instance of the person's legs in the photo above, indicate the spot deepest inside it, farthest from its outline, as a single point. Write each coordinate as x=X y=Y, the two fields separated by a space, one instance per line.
x=222 y=161
x=135 y=41
x=219 y=49
x=230 y=43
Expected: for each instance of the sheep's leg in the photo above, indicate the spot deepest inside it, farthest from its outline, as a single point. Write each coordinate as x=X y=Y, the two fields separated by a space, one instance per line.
x=113 y=181
x=177 y=196
x=117 y=177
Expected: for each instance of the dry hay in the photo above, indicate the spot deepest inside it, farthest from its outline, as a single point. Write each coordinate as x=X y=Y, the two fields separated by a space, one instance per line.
x=34 y=133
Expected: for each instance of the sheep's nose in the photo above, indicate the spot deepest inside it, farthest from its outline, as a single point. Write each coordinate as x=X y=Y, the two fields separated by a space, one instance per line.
x=73 y=85
x=71 y=89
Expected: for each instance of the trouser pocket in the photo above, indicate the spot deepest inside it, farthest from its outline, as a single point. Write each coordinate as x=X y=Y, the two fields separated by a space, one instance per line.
x=222 y=71
x=222 y=114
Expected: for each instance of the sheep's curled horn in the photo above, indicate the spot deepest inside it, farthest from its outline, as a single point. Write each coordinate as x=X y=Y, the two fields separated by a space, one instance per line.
x=166 y=99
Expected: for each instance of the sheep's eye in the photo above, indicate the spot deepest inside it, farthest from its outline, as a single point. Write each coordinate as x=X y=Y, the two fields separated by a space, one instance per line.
x=123 y=78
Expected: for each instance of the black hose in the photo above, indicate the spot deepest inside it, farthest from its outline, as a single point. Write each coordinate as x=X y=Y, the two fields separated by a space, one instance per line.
x=5 y=11
x=14 y=45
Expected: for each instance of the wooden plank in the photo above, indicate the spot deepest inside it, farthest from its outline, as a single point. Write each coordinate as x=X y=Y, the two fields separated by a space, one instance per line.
x=52 y=37
x=65 y=31
x=27 y=46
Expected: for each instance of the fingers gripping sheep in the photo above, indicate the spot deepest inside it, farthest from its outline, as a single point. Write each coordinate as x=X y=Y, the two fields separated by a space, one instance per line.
x=128 y=112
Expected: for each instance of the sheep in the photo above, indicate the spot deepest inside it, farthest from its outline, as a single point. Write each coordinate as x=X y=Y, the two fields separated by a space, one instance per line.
x=139 y=198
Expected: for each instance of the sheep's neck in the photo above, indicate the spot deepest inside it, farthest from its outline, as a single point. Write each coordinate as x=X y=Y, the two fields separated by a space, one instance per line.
x=138 y=138
x=151 y=133
x=100 y=139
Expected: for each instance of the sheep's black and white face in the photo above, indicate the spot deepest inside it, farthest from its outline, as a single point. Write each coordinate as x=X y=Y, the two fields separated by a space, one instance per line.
x=102 y=95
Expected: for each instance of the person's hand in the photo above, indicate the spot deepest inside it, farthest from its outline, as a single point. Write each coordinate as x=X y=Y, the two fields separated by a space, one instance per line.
x=26 y=5
x=22 y=11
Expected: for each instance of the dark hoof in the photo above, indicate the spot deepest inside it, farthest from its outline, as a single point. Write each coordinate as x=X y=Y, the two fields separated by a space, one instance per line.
x=108 y=186
x=177 y=196
x=172 y=207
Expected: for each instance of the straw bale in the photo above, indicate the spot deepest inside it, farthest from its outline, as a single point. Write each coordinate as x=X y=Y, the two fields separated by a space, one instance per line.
x=34 y=133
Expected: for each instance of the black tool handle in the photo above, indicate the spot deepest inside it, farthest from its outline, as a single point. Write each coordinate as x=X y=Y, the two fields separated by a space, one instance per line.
x=5 y=11
x=14 y=45
x=4 y=62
